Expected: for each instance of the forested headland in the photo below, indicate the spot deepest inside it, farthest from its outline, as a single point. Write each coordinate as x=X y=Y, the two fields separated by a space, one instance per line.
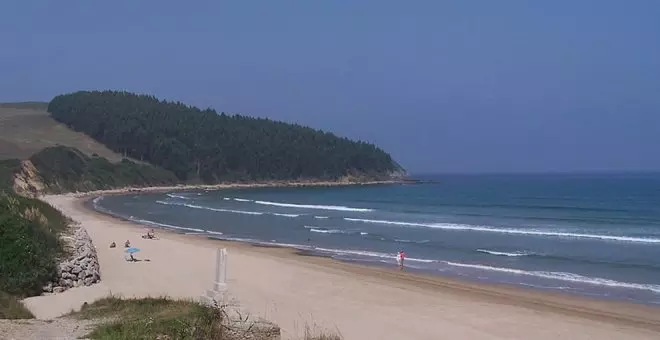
x=204 y=146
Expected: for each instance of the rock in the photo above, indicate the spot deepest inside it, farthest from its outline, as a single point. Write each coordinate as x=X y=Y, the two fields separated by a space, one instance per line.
x=65 y=267
x=81 y=269
x=76 y=269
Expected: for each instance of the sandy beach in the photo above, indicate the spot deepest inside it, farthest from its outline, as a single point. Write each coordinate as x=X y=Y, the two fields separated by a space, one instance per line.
x=359 y=302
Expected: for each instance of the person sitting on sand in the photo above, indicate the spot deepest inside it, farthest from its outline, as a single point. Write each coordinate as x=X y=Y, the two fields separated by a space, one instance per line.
x=113 y=244
x=127 y=244
x=151 y=234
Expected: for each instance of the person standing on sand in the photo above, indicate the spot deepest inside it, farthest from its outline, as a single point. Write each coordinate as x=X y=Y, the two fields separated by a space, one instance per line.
x=399 y=258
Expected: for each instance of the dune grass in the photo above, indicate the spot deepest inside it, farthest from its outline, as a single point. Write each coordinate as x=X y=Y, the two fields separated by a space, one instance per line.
x=316 y=334
x=12 y=308
x=150 y=318
x=165 y=318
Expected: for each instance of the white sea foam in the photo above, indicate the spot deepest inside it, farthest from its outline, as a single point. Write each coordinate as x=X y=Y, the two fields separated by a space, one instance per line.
x=214 y=232
x=226 y=198
x=363 y=233
x=320 y=217
x=97 y=200
x=502 y=253
x=390 y=257
x=463 y=227
x=310 y=206
x=327 y=231
x=168 y=226
x=242 y=200
x=563 y=277
x=177 y=196
x=210 y=208
x=286 y=215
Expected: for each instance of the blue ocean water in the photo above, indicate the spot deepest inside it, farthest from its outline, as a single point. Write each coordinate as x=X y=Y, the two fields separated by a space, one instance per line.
x=596 y=235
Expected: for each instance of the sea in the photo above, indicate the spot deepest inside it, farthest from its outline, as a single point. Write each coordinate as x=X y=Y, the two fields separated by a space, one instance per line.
x=588 y=234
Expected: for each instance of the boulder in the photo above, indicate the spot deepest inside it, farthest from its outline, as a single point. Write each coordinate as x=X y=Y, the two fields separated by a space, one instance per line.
x=58 y=289
x=76 y=269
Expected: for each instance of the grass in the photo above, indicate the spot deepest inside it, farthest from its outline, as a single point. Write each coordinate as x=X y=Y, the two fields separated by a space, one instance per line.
x=27 y=128
x=150 y=318
x=12 y=308
x=29 y=244
x=7 y=170
x=65 y=169
x=315 y=334
x=164 y=318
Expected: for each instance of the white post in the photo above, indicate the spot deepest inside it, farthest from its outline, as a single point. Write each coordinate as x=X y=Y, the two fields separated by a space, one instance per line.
x=221 y=269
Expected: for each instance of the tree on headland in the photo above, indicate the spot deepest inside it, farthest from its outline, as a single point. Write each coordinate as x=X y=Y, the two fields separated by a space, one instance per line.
x=202 y=145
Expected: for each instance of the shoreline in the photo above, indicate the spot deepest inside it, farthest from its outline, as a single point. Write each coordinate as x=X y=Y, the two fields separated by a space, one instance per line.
x=221 y=186
x=284 y=286
x=503 y=293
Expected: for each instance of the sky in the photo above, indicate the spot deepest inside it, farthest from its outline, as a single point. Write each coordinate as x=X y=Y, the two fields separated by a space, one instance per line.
x=444 y=86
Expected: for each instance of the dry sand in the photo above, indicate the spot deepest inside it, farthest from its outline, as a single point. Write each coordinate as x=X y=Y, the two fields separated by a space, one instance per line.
x=360 y=302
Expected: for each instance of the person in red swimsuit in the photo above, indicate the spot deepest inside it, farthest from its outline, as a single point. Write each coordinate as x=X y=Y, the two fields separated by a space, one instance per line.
x=400 y=257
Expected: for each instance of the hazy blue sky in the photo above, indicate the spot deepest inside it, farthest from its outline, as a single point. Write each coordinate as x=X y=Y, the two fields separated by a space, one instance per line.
x=446 y=86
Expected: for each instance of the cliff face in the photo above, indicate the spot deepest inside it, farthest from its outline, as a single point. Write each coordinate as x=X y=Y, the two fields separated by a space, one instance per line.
x=27 y=181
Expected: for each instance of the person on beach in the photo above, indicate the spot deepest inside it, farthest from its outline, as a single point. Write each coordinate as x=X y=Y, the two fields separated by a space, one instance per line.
x=127 y=244
x=399 y=258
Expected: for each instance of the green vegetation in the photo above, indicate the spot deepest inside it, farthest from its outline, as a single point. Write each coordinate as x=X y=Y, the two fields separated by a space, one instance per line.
x=11 y=308
x=202 y=145
x=164 y=318
x=64 y=169
x=7 y=170
x=29 y=244
x=150 y=318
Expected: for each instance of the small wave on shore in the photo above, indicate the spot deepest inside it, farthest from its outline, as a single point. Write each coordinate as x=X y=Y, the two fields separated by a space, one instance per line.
x=166 y=226
x=286 y=215
x=561 y=276
x=177 y=196
x=503 y=253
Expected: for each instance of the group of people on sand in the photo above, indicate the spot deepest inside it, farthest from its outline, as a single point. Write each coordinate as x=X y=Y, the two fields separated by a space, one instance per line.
x=151 y=235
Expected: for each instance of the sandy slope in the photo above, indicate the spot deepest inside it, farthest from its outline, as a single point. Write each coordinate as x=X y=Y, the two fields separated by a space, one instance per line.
x=362 y=303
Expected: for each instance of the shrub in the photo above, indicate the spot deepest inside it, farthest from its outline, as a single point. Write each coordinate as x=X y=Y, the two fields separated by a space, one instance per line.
x=29 y=244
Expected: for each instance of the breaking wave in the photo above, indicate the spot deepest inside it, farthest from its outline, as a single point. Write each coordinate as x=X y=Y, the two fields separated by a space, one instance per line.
x=194 y=206
x=310 y=206
x=467 y=227
x=503 y=253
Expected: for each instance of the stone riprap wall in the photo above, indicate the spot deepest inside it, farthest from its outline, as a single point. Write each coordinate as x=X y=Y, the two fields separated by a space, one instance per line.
x=82 y=269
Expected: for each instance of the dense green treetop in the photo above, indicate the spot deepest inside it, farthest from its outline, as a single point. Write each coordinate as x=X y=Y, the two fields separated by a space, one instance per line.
x=203 y=145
